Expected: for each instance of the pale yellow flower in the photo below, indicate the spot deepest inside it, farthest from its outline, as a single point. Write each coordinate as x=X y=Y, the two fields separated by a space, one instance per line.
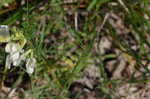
x=4 y=33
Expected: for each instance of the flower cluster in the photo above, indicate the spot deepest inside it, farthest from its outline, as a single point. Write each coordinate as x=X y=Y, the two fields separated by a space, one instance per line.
x=17 y=55
x=14 y=57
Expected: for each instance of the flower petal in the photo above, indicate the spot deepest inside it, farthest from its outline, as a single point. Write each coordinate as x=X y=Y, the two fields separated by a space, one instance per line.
x=12 y=47
x=8 y=62
x=15 y=57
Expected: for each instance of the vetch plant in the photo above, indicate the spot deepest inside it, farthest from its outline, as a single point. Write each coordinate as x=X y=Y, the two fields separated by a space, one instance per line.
x=16 y=53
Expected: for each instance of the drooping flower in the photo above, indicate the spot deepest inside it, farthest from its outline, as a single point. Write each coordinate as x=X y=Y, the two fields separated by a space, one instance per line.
x=30 y=65
x=14 y=56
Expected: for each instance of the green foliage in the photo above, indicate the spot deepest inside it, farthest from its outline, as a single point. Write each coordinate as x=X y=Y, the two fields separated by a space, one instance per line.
x=44 y=32
x=2 y=2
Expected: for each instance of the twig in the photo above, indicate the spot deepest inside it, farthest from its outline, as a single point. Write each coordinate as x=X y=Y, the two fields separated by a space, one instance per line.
x=124 y=6
x=11 y=93
x=99 y=30
x=76 y=20
x=102 y=25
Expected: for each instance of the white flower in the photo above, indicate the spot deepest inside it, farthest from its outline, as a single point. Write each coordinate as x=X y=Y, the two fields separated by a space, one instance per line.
x=14 y=56
x=12 y=47
x=17 y=55
x=30 y=65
